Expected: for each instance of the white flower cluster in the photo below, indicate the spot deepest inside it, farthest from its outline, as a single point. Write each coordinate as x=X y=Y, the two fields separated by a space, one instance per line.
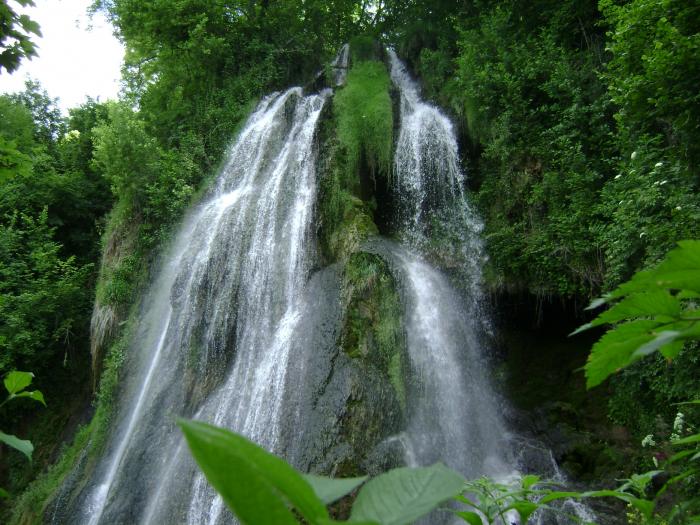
x=648 y=441
x=678 y=426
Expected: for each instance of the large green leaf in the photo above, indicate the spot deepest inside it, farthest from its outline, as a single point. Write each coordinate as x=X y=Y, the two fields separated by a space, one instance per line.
x=658 y=307
x=680 y=270
x=614 y=350
x=17 y=381
x=329 y=490
x=33 y=394
x=405 y=494
x=258 y=486
x=23 y=445
x=652 y=303
x=470 y=517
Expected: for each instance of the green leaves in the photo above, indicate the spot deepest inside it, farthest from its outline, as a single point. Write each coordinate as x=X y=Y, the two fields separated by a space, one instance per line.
x=656 y=311
x=23 y=445
x=470 y=517
x=16 y=381
x=405 y=494
x=262 y=488
x=34 y=394
x=258 y=486
x=329 y=490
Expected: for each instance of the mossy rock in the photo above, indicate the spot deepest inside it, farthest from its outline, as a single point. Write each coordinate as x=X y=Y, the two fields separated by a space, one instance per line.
x=373 y=330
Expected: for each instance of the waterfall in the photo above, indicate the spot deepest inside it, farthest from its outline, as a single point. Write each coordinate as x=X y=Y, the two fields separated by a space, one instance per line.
x=456 y=414
x=213 y=339
x=240 y=330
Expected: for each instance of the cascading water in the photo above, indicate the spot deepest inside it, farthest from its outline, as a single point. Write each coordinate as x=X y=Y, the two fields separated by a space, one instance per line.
x=455 y=413
x=228 y=294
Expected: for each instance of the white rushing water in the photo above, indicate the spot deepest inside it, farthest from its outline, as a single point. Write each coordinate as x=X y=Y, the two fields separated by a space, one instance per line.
x=229 y=293
x=455 y=414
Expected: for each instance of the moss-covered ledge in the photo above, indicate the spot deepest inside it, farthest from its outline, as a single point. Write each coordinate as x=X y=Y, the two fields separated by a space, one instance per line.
x=373 y=329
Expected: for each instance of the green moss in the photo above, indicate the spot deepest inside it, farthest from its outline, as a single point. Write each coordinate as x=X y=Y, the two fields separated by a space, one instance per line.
x=365 y=119
x=396 y=376
x=345 y=219
x=373 y=325
x=357 y=141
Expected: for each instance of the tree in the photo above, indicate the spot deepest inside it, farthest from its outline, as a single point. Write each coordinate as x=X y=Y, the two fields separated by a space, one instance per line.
x=15 y=35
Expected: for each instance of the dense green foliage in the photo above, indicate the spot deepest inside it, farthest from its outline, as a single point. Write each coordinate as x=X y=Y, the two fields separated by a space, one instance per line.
x=50 y=201
x=16 y=384
x=51 y=205
x=657 y=311
x=580 y=129
x=16 y=32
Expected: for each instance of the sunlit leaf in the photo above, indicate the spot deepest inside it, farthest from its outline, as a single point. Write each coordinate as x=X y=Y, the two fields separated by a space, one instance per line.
x=405 y=494
x=23 y=445
x=33 y=394
x=17 y=381
x=329 y=490
x=258 y=486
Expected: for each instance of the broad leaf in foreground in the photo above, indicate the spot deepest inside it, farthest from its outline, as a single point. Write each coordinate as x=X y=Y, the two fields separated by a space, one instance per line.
x=17 y=381
x=23 y=445
x=655 y=311
x=329 y=490
x=403 y=495
x=257 y=486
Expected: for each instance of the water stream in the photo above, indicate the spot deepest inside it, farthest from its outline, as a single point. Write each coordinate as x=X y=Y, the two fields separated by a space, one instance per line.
x=215 y=328
x=456 y=415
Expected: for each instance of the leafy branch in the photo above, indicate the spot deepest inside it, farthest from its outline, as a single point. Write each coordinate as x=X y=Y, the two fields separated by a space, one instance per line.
x=15 y=384
x=656 y=310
